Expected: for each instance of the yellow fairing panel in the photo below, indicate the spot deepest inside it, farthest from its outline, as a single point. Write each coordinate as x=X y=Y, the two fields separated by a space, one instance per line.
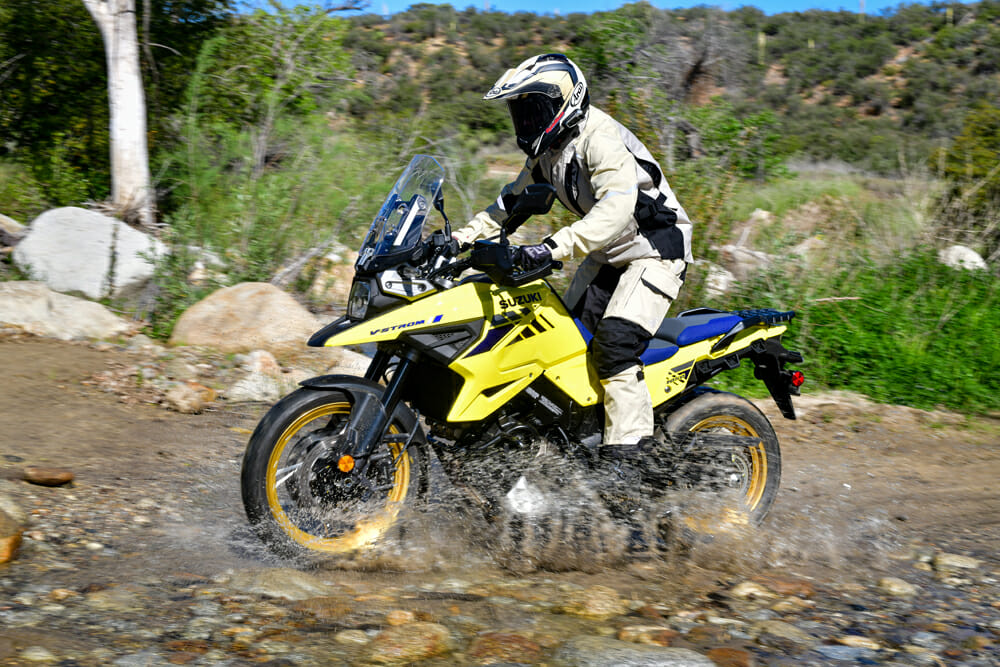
x=528 y=333
x=455 y=306
x=669 y=377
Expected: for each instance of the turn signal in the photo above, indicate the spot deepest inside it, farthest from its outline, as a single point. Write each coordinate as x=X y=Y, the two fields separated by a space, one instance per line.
x=346 y=463
x=797 y=379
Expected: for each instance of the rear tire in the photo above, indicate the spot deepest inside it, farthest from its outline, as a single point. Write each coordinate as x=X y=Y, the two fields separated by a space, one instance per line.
x=297 y=498
x=757 y=469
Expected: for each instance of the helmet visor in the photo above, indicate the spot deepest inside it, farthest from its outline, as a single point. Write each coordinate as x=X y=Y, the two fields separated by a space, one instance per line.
x=532 y=114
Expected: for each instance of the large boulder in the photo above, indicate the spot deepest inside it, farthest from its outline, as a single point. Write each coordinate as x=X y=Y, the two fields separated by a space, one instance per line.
x=244 y=317
x=33 y=307
x=76 y=251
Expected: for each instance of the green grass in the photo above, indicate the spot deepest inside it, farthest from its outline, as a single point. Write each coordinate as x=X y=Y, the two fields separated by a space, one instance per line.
x=914 y=332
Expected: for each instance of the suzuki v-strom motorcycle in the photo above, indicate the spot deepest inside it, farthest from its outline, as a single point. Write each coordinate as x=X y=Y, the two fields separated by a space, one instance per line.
x=488 y=357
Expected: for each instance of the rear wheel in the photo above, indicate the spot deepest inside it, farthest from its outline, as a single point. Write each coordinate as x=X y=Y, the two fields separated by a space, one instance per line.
x=304 y=494
x=746 y=475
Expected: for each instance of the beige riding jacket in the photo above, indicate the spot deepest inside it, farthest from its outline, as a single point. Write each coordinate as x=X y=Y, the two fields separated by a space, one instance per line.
x=606 y=176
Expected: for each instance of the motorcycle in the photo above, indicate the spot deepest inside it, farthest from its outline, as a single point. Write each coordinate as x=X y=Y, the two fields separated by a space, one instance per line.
x=479 y=364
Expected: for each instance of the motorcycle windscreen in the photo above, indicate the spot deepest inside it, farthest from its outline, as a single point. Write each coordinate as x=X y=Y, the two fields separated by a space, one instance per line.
x=399 y=225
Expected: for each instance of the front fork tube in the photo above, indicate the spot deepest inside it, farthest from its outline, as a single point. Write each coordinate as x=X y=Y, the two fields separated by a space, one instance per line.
x=370 y=414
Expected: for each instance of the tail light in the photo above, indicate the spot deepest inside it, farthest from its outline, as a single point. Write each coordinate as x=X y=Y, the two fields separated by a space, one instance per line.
x=797 y=379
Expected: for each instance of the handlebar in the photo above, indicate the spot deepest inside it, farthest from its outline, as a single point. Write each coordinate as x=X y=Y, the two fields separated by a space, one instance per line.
x=500 y=261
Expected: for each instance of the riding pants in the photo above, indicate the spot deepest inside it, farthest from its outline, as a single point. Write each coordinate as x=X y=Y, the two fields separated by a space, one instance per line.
x=624 y=307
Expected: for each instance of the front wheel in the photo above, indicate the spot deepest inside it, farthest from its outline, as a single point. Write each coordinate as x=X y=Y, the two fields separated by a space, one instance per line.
x=749 y=471
x=303 y=494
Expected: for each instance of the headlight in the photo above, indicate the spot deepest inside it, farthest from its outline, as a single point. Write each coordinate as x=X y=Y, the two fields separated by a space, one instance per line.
x=357 y=304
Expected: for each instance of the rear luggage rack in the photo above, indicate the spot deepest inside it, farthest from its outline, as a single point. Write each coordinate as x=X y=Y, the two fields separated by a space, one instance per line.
x=751 y=318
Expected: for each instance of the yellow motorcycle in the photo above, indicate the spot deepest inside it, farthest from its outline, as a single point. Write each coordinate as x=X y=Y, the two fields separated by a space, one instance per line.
x=480 y=365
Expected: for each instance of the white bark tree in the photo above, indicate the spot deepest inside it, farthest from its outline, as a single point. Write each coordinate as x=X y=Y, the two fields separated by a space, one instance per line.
x=131 y=191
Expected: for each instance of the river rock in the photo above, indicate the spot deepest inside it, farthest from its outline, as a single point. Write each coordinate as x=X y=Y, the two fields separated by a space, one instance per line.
x=897 y=587
x=280 y=582
x=47 y=476
x=783 y=630
x=404 y=644
x=726 y=656
x=10 y=537
x=245 y=317
x=950 y=562
x=597 y=602
x=656 y=635
x=71 y=249
x=589 y=651
x=33 y=307
x=491 y=648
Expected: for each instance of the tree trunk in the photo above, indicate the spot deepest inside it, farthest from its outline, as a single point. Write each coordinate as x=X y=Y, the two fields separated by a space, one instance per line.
x=131 y=192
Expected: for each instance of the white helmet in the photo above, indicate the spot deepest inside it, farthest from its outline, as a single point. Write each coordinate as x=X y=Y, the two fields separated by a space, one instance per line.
x=547 y=97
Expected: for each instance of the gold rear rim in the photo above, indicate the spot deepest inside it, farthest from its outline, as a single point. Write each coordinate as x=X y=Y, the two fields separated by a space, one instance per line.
x=367 y=529
x=755 y=479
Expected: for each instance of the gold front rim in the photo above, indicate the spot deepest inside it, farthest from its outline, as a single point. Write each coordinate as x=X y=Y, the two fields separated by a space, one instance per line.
x=756 y=479
x=367 y=530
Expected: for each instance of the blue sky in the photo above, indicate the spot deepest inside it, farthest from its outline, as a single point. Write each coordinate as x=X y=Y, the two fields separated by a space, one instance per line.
x=568 y=6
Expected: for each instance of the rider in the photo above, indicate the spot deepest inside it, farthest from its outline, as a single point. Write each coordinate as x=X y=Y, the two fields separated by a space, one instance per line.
x=634 y=234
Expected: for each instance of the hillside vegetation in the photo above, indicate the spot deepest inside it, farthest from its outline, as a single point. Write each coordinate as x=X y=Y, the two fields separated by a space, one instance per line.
x=874 y=139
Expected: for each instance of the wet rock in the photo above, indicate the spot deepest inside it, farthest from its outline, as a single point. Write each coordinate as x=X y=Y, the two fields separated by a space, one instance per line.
x=587 y=651
x=597 y=602
x=897 y=587
x=752 y=590
x=782 y=630
x=783 y=585
x=655 y=635
x=731 y=657
x=352 y=638
x=408 y=643
x=945 y=562
x=504 y=647
x=280 y=583
x=126 y=597
x=844 y=653
x=10 y=537
x=325 y=608
x=858 y=641
x=37 y=654
x=400 y=617
x=47 y=476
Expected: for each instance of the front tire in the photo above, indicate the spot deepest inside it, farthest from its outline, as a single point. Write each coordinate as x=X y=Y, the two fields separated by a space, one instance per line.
x=298 y=496
x=754 y=471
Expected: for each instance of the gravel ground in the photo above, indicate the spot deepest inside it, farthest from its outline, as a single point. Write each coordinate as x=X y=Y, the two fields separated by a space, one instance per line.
x=881 y=549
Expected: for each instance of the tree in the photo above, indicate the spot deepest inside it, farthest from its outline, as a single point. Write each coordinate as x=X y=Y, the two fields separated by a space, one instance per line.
x=131 y=189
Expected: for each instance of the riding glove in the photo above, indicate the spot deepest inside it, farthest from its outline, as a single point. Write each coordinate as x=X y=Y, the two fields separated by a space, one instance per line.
x=533 y=256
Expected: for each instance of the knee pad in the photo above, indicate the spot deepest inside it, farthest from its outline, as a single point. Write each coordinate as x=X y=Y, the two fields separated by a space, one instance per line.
x=616 y=345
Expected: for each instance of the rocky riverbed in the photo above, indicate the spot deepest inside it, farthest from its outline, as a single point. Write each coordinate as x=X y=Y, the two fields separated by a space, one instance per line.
x=881 y=549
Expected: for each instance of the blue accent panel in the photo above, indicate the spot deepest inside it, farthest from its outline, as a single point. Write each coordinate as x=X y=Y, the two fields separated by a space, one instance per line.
x=656 y=354
x=493 y=337
x=437 y=318
x=583 y=331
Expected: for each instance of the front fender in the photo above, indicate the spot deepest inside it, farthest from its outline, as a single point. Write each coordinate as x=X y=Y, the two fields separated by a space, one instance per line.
x=355 y=387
